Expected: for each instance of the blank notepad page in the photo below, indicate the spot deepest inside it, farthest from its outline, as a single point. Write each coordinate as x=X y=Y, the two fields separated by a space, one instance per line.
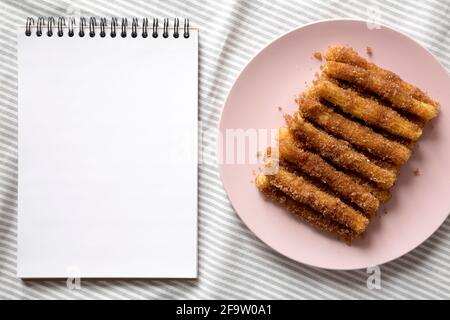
x=107 y=156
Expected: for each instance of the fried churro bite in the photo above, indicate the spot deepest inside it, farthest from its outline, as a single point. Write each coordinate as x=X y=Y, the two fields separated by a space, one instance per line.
x=341 y=152
x=303 y=211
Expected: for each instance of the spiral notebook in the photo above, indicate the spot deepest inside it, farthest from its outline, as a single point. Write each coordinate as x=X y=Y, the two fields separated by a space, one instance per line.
x=107 y=148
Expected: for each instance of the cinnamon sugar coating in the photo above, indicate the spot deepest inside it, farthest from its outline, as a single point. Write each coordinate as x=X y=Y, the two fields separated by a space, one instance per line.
x=343 y=149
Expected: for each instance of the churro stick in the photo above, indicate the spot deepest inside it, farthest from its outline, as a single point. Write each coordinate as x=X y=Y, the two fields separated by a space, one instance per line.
x=368 y=110
x=386 y=89
x=313 y=165
x=307 y=193
x=350 y=56
x=302 y=211
x=381 y=194
x=340 y=152
x=353 y=132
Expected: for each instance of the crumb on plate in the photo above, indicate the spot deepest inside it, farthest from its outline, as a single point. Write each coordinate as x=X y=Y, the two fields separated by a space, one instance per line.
x=318 y=55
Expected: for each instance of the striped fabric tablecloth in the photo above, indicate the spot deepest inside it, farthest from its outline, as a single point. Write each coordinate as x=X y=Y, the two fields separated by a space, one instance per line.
x=232 y=262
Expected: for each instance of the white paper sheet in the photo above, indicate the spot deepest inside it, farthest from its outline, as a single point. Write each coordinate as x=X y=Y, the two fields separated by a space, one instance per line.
x=107 y=157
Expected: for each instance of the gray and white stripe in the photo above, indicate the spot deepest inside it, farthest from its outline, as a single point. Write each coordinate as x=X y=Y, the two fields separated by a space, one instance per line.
x=232 y=262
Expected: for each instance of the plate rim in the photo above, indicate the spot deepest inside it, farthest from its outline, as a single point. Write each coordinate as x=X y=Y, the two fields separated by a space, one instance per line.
x=219 y=131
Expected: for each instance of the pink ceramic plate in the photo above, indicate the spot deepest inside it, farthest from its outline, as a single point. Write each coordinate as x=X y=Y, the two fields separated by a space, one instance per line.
x=419 y=204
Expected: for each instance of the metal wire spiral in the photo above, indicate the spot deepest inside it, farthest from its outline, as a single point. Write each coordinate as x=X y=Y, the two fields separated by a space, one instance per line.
x=58 y=26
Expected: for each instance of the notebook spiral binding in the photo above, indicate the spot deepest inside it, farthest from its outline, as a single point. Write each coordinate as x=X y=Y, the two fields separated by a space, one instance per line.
x=90 y=27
